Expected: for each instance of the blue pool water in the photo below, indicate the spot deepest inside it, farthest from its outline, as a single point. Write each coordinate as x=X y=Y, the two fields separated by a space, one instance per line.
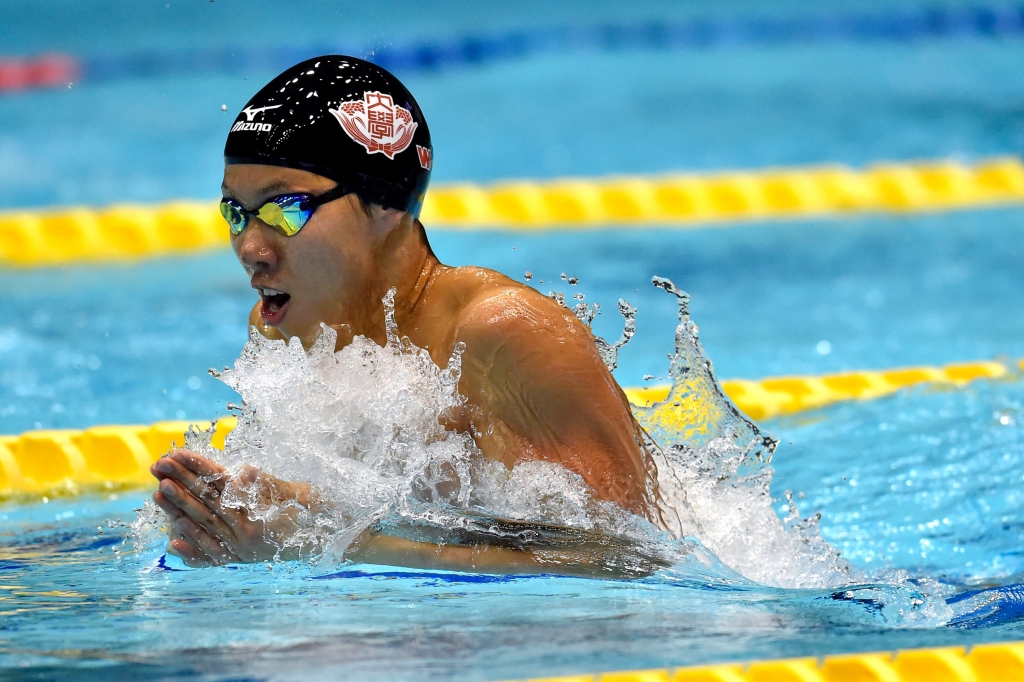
x=920 y=491
x=927 y=481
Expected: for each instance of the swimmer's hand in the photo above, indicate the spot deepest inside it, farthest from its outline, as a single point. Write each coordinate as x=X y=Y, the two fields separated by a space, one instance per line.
x=202 y=531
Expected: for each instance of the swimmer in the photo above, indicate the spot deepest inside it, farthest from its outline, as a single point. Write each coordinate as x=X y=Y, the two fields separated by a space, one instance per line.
x=325 y=173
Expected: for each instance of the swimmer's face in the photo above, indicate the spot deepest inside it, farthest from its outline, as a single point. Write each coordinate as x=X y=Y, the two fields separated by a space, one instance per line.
x=325 y=273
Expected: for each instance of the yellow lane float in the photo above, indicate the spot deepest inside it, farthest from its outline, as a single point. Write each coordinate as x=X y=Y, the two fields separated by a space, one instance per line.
x=67 y=462
x=125 y=232
x=700 y=199
x=1002 y=662
x=779 y=396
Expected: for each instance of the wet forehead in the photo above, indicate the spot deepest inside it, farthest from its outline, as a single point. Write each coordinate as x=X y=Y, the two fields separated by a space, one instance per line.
x=255 y=184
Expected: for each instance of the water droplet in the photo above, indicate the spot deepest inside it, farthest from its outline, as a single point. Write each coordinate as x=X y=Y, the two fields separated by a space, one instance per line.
x=223 y=107
x=528 y=276
x=823 y=347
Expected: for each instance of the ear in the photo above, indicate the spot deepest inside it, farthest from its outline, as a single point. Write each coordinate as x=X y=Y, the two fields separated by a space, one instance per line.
x=387 y=219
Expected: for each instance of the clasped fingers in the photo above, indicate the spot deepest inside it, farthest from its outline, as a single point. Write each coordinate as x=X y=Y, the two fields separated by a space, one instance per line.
x=198 y=511
x=207 y=544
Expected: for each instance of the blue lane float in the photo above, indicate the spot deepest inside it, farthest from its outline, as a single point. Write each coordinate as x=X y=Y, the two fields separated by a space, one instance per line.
x=906 y=24
x=995 y=21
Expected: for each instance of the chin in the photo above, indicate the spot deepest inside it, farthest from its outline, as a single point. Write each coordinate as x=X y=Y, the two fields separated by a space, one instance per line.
x=307 y=334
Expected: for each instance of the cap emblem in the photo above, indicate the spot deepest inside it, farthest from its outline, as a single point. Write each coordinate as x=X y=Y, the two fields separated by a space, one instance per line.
x=377 y=123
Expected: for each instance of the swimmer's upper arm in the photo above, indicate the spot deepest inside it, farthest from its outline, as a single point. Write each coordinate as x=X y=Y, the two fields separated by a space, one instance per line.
x=535 y=367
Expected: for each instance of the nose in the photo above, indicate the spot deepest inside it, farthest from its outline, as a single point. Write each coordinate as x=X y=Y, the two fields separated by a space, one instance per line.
x=257 y=247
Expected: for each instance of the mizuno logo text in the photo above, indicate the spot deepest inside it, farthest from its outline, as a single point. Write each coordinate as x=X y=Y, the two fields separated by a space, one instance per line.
x=245 y=125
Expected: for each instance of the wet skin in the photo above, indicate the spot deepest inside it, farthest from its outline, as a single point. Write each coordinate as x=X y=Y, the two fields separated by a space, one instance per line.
x=535 y=385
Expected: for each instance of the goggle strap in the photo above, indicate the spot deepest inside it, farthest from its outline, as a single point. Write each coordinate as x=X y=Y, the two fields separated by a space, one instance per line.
x=335 y=192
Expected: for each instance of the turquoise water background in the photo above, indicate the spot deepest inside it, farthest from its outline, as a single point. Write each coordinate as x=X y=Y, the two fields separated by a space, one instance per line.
x=928 y=481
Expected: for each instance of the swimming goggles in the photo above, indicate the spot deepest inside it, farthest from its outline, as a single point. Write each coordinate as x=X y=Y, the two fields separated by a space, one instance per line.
x=287 y=213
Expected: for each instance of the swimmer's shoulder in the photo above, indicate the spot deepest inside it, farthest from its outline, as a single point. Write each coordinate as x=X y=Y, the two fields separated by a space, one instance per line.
x=475 y=290
x=489 y=306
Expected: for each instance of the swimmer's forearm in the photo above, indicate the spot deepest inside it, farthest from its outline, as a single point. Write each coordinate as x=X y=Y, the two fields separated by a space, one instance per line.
x=392 y=551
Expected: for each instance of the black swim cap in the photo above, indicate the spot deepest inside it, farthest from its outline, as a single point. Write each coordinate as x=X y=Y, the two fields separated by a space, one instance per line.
x=343 y=118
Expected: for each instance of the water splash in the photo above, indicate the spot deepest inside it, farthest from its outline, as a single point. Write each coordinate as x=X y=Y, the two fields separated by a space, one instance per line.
x=610 y=351
x=714 y=475
x=365 y=426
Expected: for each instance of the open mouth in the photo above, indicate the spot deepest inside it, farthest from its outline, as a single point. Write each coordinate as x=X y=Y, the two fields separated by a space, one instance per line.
x=274 y=303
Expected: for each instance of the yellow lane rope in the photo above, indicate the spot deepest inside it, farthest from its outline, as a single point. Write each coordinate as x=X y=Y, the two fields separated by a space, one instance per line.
x=71 y=461
x=688 y=200
x=1002 y=662
x=124 y=232
x=779 y=396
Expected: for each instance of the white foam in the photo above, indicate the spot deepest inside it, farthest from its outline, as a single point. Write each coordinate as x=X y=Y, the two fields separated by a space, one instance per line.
x=364 y=425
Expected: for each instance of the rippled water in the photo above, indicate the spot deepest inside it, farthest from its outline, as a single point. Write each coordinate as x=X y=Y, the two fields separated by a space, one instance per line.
x=920 y=492
x=70 y=602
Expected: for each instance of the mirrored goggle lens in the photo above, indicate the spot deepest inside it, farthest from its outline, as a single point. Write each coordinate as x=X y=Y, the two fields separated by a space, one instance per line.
x=234 y=215
x=285 y=215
